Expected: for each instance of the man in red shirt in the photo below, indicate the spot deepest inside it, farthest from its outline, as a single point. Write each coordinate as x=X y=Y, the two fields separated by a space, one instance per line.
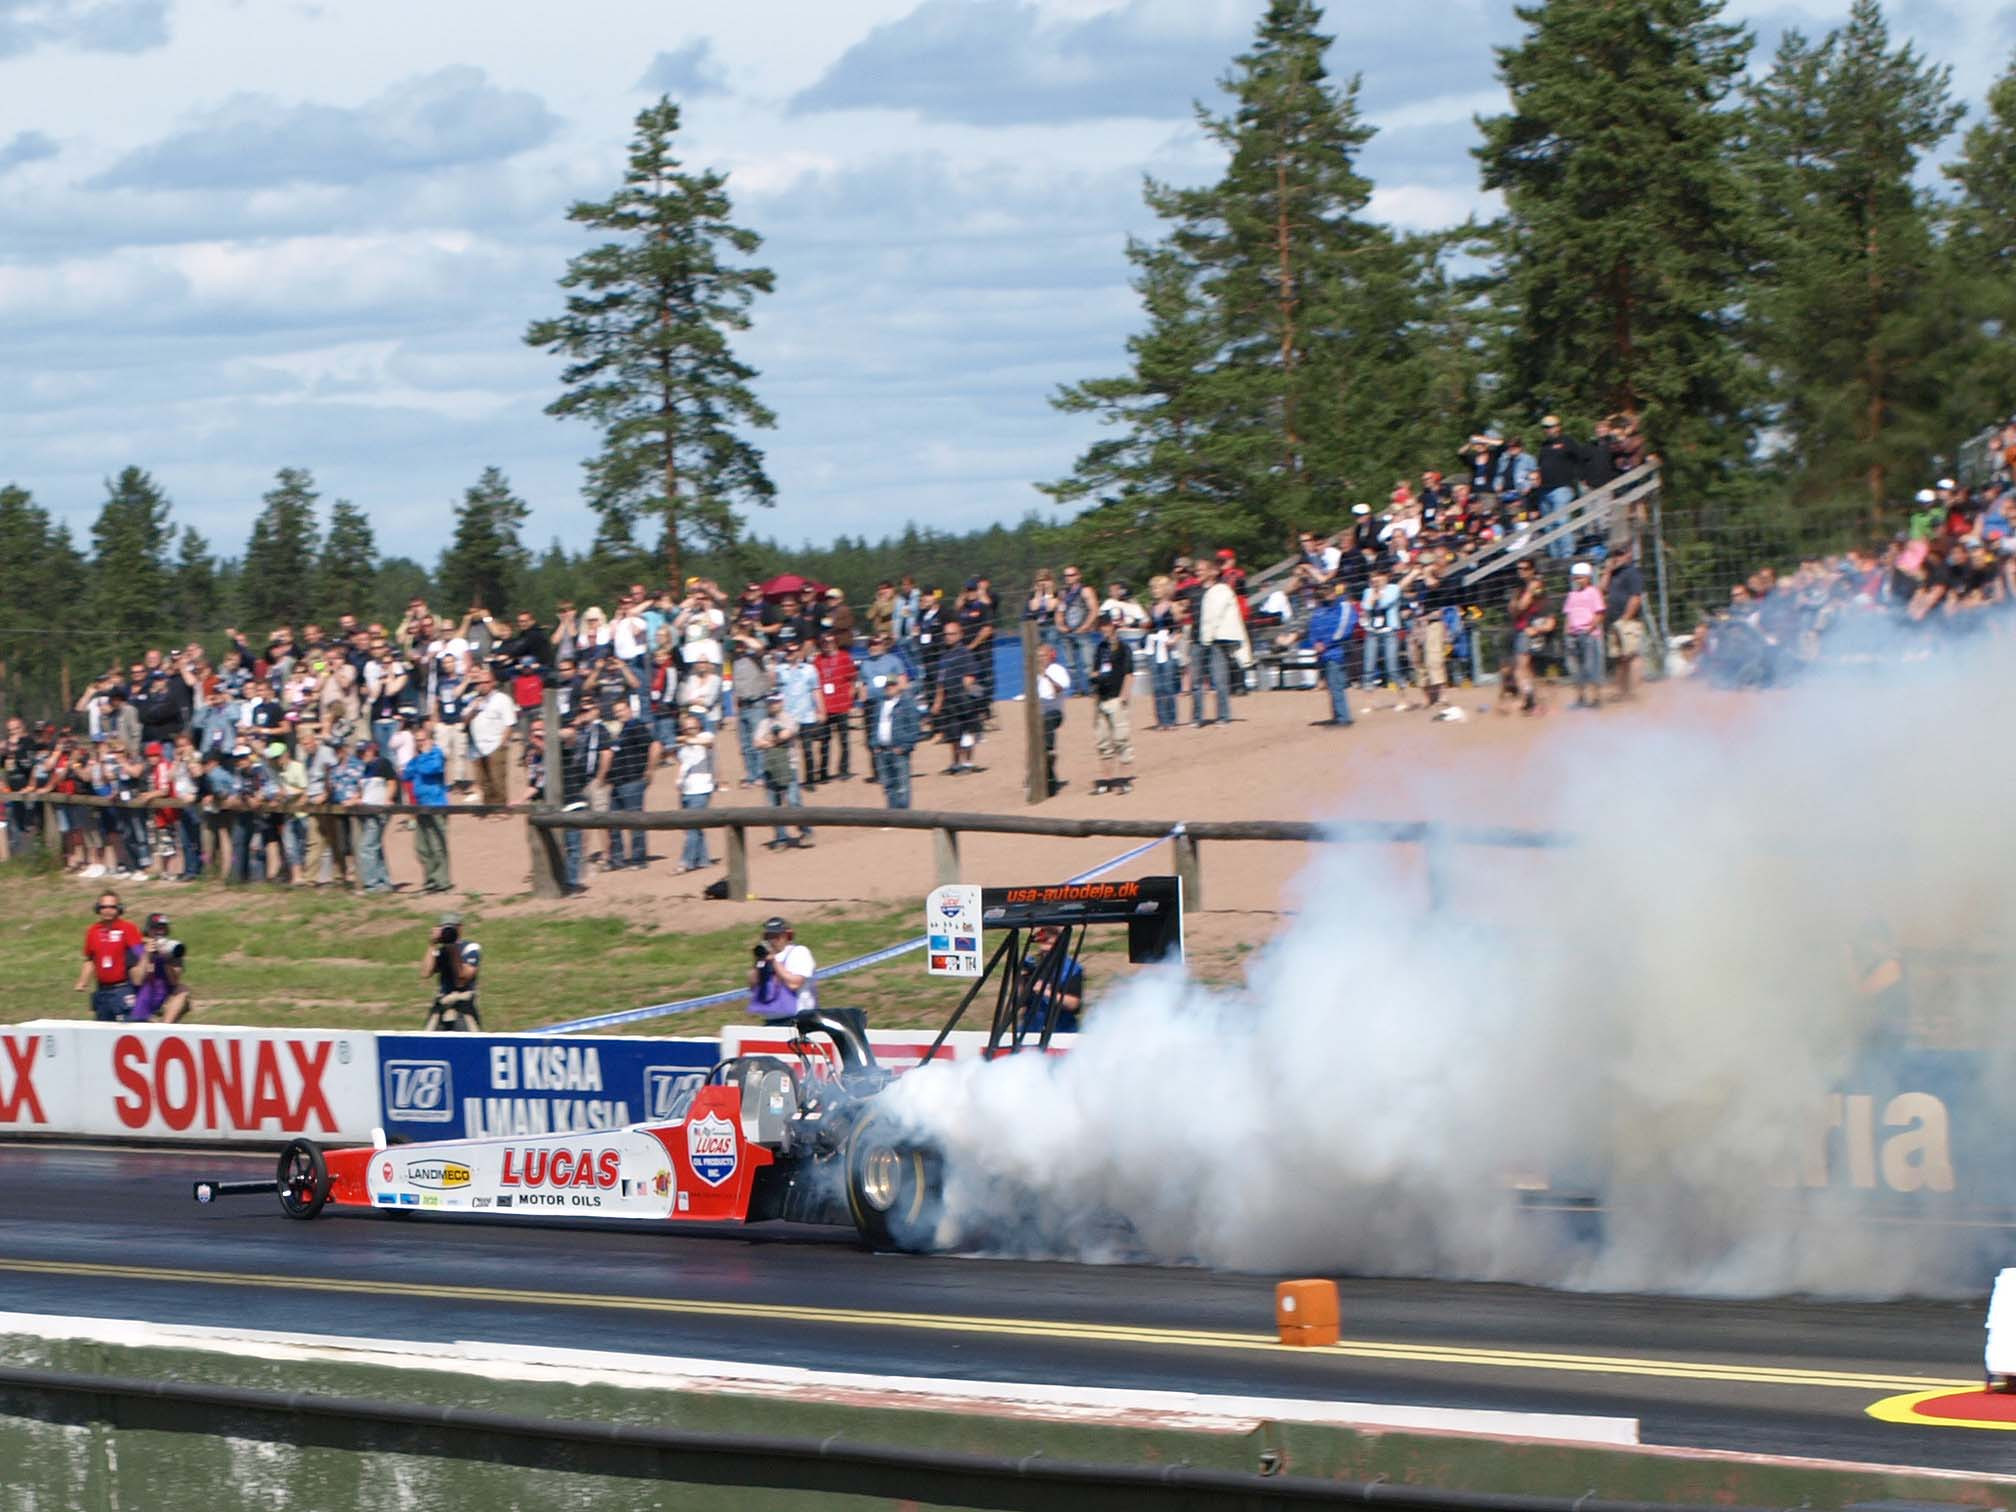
x=111 y=949
x=836 y=701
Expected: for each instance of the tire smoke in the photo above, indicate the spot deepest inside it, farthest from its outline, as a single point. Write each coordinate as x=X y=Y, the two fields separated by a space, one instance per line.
x=1683 y=1018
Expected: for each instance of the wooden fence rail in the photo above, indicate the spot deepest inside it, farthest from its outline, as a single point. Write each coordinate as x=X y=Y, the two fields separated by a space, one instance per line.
x=1437 y=839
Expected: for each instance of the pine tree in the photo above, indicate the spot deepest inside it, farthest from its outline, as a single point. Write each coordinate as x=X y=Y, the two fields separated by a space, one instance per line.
x=195 y=597
x=347 y=568
x=32 y=591
x=646 y=335
x=1281 y=371
x=485 y=562
x=1981 y=263
x=277 y=580
x=1628 y=224
x=131 y=576
x=1852 y=321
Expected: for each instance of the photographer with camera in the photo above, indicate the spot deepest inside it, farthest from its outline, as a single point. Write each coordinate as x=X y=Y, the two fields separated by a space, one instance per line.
x=164 y=989
x=780 y=983
x=453 y=963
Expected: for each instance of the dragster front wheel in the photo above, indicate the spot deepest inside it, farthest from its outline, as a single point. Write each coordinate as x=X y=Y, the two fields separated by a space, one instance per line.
x=303 y=1179
x=895 y=1187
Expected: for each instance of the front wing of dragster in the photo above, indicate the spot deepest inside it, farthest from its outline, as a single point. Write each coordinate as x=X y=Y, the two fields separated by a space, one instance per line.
x=698 y=1168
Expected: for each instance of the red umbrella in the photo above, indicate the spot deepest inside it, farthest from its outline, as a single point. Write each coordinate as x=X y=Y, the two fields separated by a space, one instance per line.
x=790 y=582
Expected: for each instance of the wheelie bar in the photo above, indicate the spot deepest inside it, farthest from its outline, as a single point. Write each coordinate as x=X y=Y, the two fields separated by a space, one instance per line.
x=210 y=1191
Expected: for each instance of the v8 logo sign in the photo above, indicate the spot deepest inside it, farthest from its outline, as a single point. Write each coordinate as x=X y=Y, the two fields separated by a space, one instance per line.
x=668 y=1091
x=419 y=1091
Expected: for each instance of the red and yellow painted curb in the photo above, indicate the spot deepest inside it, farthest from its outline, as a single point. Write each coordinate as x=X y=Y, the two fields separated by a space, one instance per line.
x=1947 y=1408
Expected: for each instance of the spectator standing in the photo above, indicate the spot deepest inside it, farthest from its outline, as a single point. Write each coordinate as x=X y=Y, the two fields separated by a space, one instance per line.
x=1518 y=476
x=1582 y=612
x=1529 y=620
x=328 y=834
x=454 y=698
x=798 y=682
x=1042 y=606
x=1077 y=624
x=835 y=669
x=378 y=785
x=1624 y=613
x=1053 y=686
x=956 y=709
x=1112 y=721
x=491 y=718
x=630 y=636
x=580 y=756
x=980 y=615
x=1221 y=641
x=751 y=669
x=426 y=774
x=1329 y=634
x=882 y=610
x=930 y=643
x=696 y=785
x=17 y=776
x=835 y=618
x=663 y=697
x=112 y=948
x=1380 y=608
x=1164 y=648
x=290 y=770
x=776 y=739
x=908 y=609
x=891 y=722
x=632 y=755
x=700 y=693
x=1561 y=463
x=1425 y=601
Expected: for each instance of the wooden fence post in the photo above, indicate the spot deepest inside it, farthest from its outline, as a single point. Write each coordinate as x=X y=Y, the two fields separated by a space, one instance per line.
x=1188 y=869
x=1036 y=786
x=945 y=855
x=738 y=862
x=549 y=866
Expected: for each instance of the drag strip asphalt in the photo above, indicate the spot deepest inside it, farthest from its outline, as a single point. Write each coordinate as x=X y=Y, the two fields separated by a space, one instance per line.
x=115 y=1234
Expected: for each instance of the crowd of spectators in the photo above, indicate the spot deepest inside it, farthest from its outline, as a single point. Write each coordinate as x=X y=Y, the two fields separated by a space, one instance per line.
x=231 y=767
x=1948 y=575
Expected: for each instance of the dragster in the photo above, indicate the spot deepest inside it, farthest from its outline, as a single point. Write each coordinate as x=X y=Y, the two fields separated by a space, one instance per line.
x=802 y=1140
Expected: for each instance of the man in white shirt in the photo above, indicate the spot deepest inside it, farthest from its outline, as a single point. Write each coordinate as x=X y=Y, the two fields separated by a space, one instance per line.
x=629 y=635
x=1053 y=686
x=780 y=983
x=490 y=725
x=1221 y=640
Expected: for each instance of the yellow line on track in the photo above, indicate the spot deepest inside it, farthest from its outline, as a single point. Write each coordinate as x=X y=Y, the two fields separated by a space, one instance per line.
x=1035 y=1328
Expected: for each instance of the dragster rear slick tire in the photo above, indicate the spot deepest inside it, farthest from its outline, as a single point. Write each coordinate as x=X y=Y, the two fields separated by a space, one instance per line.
x=302 y=1177
x=895 y=1187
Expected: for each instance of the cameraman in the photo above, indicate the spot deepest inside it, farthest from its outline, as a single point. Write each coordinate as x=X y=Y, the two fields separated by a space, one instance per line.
x=780 y=983
x=453 y=963
x=164 y=990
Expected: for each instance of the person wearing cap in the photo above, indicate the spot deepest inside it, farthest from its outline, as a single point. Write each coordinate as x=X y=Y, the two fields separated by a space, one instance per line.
x=426 y=775
x=290 y=771
x=1517 y=475
x=798 y=683
x=889 y=717
x=1624 y=614
x=781 y=980
x=1582 y=613
x=1929 y=518
x=1112 y=722
x=776 y=740
x=452 y=964
x=1561 y=462
x=378 y=784
x=162 y=986
x=1332 y=626
x=835 y=618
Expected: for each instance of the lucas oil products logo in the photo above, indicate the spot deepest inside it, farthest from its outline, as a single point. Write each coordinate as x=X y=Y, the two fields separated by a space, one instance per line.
x=710 y=1148
x=438 y=1175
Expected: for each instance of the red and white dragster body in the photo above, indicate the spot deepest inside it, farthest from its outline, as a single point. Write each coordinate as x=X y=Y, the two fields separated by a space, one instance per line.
x=699 y=1168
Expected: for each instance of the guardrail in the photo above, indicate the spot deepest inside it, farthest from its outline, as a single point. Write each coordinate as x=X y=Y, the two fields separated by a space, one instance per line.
x=1436 y=839
x=760 y=1466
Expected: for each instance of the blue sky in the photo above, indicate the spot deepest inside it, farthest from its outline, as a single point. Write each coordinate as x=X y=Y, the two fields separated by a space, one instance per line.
x=245 y=234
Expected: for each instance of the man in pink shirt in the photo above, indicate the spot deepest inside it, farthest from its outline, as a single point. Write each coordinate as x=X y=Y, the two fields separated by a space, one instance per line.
x=1582 y=616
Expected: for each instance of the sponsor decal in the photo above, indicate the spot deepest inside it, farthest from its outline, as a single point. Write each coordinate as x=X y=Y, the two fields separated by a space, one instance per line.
x=441 y=1175
x=430 y=1200
x=210 y=1083
x=952 y=931
x=546 y=1068
x=18 y=1102
x=1910 y=1151
x=386 y=1199
x=682 y=1201
x=668 y=1091
x=537 y=1166
x=409 y=1199
x=940 y=942
x=385 y=1171
x=516 y=1117
x=711 y=1148
x=965 y=942
x=556 y=1200
x=661 y=1184
x=419 y=1091
x=503 y=1202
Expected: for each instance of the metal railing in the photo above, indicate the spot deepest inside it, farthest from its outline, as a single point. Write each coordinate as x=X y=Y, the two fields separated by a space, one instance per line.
x=1608 y=507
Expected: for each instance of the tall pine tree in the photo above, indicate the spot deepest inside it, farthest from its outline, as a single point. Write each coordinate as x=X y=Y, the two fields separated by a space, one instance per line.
x=40 y=593
x=646 y=335
x=1981 y=263
x=1852 y=320
x=131 y=575
x=277 y=579
x=347 y=569
x=1284 y=327
x=195 y=597
x=1628 y=224
x=485 y=562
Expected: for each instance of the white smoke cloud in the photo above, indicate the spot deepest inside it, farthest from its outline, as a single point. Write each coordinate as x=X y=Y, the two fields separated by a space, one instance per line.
x=1653 y=1018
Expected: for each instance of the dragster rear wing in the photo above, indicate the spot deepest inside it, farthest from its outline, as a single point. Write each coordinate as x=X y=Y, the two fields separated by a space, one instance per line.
x=973 y=930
